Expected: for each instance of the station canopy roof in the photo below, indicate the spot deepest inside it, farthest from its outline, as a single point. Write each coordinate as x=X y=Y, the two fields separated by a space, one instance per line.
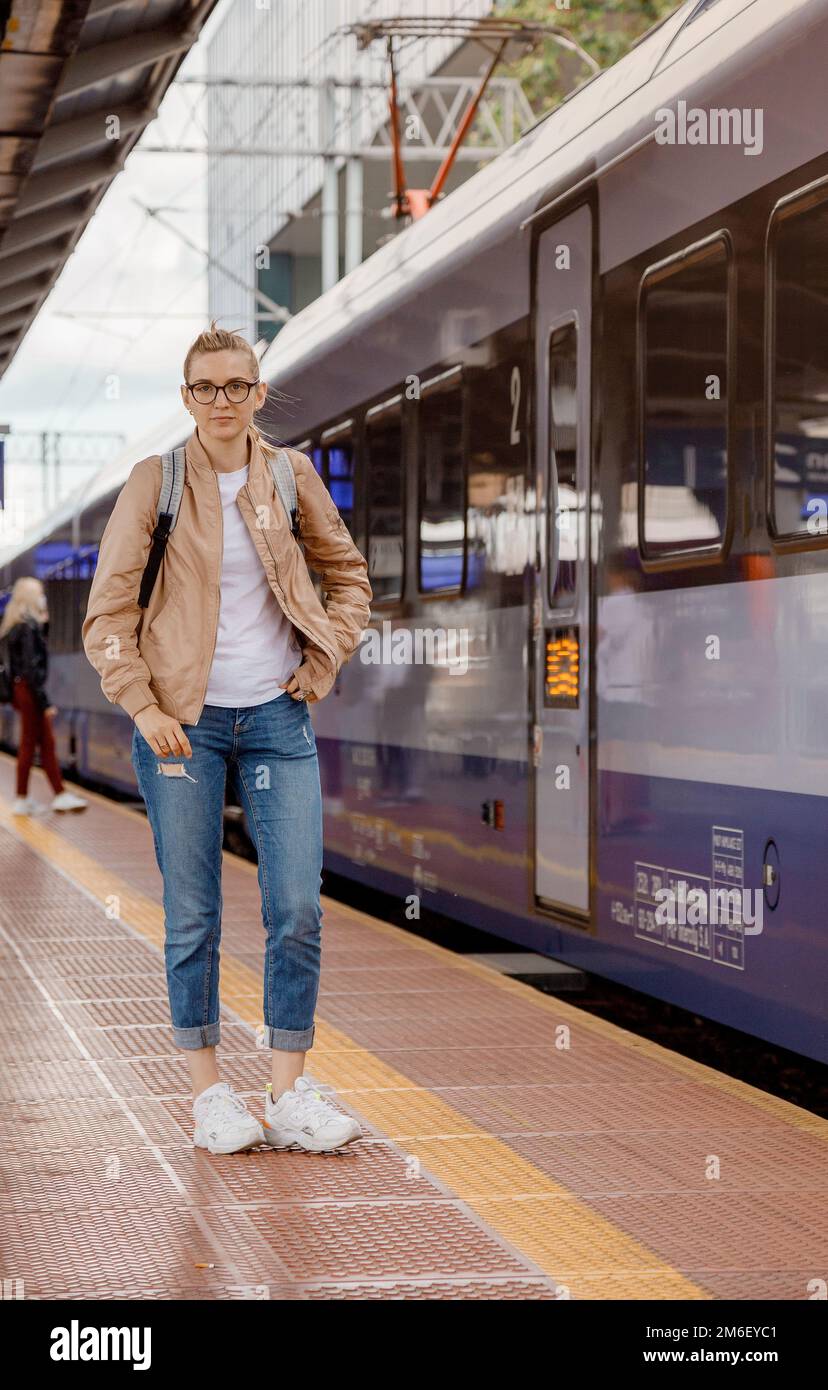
x=66 y=68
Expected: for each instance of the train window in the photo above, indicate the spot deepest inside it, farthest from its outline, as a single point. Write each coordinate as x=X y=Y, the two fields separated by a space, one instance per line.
x=338 y=469
x=683 y=358
x=497 y=539
x=384 y=444
x=341 y=479
x=563 y=509
x=442 y=514
x=798 y=371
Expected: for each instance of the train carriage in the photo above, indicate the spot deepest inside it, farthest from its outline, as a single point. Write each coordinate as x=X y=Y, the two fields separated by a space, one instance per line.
x=577 y=419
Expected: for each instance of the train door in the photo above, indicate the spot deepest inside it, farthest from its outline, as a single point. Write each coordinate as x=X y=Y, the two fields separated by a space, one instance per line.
x=561 y=761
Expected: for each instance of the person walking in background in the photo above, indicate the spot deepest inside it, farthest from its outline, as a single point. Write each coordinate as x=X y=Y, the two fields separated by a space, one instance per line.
x=24 y=627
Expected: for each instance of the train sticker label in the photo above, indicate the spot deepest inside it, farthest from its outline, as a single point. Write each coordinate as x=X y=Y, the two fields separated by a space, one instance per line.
x=729 y=872
x=698 y=914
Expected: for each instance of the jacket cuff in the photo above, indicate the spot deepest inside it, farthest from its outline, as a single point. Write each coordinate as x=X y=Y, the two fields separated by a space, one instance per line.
x=136 y=697
x=345 y=648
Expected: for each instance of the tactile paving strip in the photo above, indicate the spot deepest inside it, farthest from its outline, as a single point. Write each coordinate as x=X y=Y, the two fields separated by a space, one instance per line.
x=151 y=1042
x=139 y=984
x=494 y=1164
x=606 y=1108
x=347 y=1240
x=37 y=1127
x=434 y=1068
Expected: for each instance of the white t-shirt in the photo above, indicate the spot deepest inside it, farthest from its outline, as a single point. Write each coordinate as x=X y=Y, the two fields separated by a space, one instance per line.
x=256 y=645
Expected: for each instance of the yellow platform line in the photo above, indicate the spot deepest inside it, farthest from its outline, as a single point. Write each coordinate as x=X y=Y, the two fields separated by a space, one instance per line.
x=574 y=1245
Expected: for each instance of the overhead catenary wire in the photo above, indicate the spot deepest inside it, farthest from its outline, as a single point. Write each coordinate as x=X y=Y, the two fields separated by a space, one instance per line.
x=95 y=276
x=133 y=343
x=412 y=43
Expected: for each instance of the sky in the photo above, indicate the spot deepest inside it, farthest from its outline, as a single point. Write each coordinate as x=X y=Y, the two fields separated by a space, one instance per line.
x=120 y=373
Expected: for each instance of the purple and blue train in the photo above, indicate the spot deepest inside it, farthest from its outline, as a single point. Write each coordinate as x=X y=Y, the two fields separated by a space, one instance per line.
x=576 y=417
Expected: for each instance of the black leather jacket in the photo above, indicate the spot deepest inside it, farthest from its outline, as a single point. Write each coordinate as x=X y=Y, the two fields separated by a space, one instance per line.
x=29 y=657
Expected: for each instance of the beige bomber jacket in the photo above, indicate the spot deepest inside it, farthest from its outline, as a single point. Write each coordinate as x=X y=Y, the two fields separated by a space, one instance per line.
x=162 y=654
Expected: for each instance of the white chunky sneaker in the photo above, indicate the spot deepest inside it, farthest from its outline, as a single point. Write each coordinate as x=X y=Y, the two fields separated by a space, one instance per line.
x=223 y=1123
x=302 y=1116
x=67 y=801
x=23 y=806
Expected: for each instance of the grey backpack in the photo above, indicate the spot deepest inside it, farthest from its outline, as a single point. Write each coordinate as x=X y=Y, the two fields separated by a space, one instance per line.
x=169 y=501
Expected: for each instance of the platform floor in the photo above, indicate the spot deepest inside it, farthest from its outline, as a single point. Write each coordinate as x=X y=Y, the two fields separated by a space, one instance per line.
x=515 y=1147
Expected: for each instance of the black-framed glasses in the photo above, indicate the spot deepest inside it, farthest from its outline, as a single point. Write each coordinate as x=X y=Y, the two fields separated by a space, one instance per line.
x=235 y=391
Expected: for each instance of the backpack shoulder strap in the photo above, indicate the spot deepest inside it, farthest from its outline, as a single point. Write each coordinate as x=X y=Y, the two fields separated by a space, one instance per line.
x=172 y=485
x=285 y=480
x=169 y=503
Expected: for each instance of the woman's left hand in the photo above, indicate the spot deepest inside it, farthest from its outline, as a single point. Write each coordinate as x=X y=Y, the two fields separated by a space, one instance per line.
x=291 y=685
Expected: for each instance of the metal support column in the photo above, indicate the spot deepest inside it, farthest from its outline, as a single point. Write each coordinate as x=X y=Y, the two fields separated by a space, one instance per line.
x=330 y=188
x=354 y=183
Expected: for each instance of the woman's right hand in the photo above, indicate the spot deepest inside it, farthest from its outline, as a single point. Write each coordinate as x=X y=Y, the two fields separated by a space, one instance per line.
x=162 y=732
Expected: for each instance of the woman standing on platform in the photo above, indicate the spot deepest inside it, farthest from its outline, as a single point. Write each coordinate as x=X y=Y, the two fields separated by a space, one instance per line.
x=23 y=632
x=216 y=673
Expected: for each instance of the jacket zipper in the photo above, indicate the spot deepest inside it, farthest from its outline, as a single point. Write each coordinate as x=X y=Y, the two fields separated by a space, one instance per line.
x=218 y=605
x=313 y=636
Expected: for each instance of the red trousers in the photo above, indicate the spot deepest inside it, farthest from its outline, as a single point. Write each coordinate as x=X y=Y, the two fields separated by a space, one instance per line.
x=35 y=728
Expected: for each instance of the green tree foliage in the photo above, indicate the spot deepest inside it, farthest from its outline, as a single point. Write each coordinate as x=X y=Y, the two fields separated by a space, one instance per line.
x=605 y=28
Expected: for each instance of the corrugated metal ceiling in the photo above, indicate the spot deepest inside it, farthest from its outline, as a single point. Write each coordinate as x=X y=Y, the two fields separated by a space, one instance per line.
x=67 y=67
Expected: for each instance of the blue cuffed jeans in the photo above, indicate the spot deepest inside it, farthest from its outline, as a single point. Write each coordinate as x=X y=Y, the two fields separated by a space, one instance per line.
x=270 y=752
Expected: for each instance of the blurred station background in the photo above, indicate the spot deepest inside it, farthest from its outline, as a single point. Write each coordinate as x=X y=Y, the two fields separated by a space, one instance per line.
x=246 y=166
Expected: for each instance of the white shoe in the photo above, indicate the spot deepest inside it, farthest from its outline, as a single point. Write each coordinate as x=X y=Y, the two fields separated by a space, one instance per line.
x=24 y=806
x=224 y=1125
x=67 y=801
x=303 y=1117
